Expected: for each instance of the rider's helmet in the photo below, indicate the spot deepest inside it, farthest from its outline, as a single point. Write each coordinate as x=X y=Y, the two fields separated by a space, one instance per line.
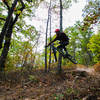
x=57 y=30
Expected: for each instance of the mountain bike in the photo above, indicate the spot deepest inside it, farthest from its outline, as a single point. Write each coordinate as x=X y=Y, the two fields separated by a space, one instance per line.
x=63 y=53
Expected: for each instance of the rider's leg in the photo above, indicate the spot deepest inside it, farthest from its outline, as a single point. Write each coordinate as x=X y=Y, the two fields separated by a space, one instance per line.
x=64 y=44
x=65 y=50
x=60 y=48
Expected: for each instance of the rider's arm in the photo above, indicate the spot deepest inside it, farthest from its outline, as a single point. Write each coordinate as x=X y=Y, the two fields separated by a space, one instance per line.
x=52 y=42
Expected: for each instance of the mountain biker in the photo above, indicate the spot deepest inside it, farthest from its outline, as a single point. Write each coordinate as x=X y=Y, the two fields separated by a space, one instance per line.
x=62 y=37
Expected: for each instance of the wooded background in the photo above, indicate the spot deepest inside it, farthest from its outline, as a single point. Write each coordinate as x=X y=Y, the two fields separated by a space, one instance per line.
x=19 y=41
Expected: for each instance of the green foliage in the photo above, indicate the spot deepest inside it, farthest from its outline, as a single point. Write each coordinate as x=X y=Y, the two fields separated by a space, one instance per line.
x=78 y=43
x=22 y=47
x=9 y=65
x=68 y=3
x=94 y=46
x=21 y=53
x=91 y=8
x=24 y=38
x=91 y=14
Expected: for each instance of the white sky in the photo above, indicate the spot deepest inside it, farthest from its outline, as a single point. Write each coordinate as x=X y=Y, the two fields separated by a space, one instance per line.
x=70 y=16
x=73 y=14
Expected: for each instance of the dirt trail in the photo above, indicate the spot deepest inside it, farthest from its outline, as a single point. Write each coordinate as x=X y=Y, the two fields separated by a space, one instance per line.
x=50 y=86
x=88 y=70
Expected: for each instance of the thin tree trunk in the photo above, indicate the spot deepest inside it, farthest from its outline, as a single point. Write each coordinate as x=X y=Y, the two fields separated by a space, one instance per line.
x=46 y=40
x=74 y=50
x=60 y=56
x=50 y=39
x=90 y=57
x=45 y=45
x=61 y=17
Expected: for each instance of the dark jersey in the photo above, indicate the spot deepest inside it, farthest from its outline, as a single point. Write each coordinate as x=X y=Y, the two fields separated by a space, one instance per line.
x=62 y=37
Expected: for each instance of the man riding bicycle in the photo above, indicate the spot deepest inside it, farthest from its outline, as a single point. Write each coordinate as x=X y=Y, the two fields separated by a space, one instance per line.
x=63 y=38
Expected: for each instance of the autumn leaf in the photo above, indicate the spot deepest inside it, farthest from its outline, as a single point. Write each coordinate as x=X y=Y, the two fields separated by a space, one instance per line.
x=14 y=9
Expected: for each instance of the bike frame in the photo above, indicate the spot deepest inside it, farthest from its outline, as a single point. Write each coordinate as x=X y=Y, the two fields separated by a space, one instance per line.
x=68 y=56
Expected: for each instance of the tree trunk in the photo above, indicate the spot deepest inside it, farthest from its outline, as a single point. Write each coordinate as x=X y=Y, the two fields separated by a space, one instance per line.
x=60 y=56
x=6 y=46
x=9 y=34
x=59 y=63
x=7 y=22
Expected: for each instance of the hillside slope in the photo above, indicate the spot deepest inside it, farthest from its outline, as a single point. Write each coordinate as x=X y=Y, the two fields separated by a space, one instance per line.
x=71 y=84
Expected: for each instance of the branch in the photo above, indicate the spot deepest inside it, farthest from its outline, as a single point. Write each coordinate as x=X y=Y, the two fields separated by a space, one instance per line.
x=23 y=6
x=3 y=19
x=6 y=3
x=17 y=15
x=29 y=0
x=17 y=28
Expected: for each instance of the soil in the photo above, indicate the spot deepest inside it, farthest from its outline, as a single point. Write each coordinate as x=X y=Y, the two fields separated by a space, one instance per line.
x=70 y=84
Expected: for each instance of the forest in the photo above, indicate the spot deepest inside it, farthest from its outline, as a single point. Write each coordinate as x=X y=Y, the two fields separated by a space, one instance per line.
x=29 y=70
